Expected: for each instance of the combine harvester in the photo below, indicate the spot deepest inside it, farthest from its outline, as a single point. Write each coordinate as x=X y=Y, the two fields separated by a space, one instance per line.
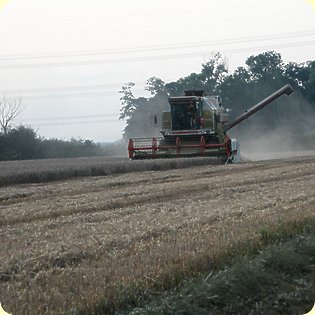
x=196 y=125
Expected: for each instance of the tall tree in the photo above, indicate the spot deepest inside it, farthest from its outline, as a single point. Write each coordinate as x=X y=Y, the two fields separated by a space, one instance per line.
x=155 y=86
x=9 y=110
x=139 y=112
x=302 y=77
x=213 y=73
x=266 y=67
x=19 y=144
x=236 y=91
x=209 y=79
x=128 y=101
x=311 y=86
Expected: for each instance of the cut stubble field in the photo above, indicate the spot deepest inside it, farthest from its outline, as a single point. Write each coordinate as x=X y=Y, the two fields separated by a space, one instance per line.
x=76 y=243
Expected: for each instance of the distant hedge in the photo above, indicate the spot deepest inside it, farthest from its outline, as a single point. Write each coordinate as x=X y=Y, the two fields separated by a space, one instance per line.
x=22 y=143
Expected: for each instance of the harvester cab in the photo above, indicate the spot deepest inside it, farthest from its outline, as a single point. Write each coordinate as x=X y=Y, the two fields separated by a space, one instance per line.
x=196 y=125
x=192 y=116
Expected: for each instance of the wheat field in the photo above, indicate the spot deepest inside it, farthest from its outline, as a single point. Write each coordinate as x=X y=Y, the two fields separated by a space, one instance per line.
x=71 y=244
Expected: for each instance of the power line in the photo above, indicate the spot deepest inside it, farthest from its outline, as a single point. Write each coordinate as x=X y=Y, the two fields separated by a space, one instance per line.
x=139 y=26
x=67 y=88
x=114 y=92
x=141 y=49
x=71 y=95
x=68 y=117
x=149 y=58
x=83 y=122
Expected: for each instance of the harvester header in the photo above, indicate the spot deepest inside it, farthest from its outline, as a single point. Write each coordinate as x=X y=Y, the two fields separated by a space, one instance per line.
x=196 y=125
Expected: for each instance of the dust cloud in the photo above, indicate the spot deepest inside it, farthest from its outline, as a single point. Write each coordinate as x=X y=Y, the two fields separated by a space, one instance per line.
x=288 y=130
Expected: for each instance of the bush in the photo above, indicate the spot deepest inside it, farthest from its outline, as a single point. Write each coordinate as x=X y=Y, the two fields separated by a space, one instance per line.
x=22 y=143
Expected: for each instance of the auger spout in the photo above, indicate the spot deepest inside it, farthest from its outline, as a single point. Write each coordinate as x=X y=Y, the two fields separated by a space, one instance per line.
x=287 y=89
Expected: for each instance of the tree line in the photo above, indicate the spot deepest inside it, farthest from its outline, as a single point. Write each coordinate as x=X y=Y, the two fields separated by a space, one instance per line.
x=22 y=143
x=239 y=90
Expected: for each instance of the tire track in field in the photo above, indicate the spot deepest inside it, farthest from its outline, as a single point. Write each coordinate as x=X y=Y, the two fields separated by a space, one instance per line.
x=112 y=204
x=125 y=200
x=11 y=199
x=10 y=272
x=42 y=191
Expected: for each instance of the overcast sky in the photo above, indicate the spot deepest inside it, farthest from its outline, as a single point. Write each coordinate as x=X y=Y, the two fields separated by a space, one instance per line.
x=69 y=59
